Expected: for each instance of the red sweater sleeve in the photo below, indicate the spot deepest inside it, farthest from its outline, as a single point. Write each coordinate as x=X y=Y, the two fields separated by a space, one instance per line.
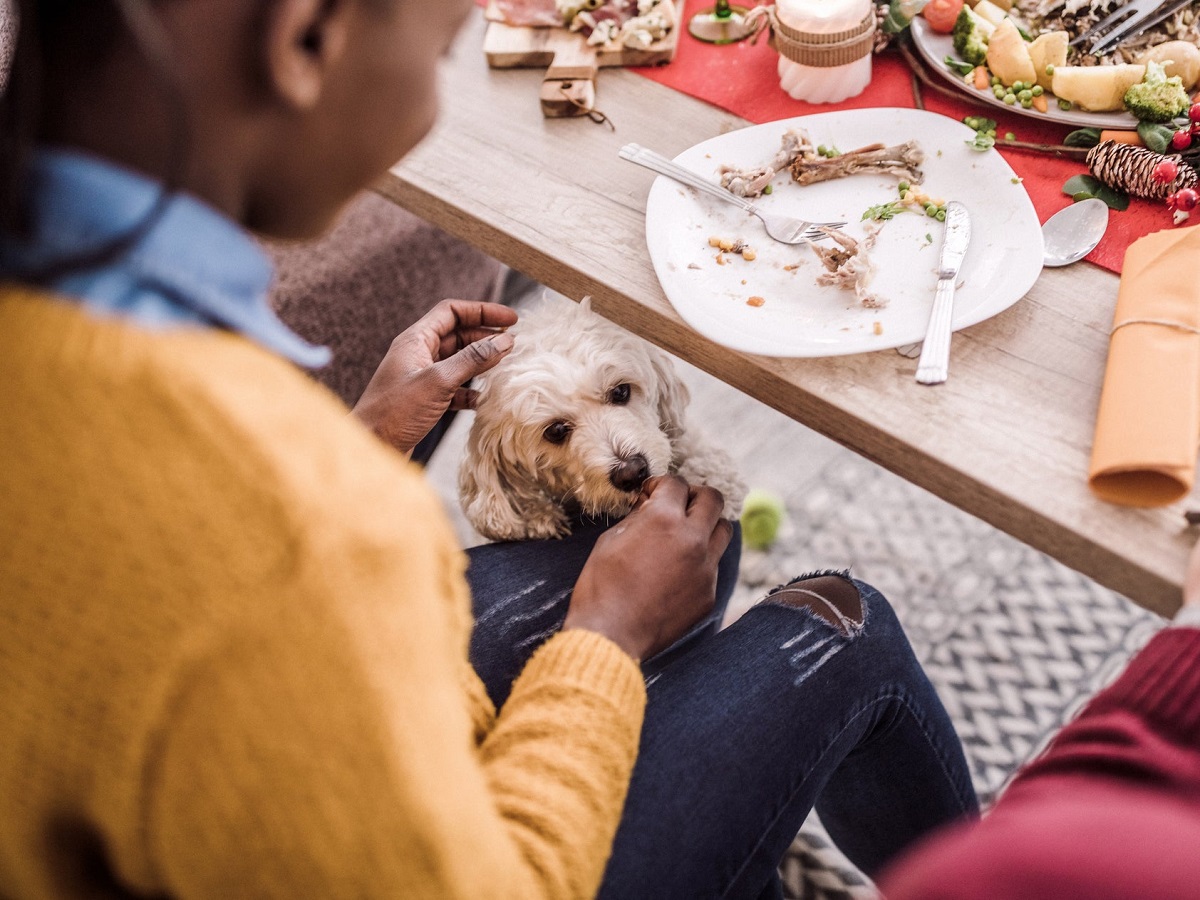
x=1110 y=811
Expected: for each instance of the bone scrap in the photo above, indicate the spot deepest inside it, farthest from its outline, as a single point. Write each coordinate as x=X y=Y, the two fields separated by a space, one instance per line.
x=798 y=154
x=903 y=161
x=752 y=182
x=848 y=265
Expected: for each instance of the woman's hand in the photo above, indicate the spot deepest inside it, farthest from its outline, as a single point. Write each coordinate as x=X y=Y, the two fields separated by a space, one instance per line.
x=653 y=575
x=1191 y=581
x=424 y=370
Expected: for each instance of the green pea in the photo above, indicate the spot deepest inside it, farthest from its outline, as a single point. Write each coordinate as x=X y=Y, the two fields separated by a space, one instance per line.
x=1010 y=99
x=1050 y=70
x=822 y=149
x=999 y=90
x=1037 y=90
x=768 y=188
x=1017 y=86
x=1064 y=105
x=1025 y=95
x=902 y=186
x=995 y=81
x=941 y=215
x=1027 y=103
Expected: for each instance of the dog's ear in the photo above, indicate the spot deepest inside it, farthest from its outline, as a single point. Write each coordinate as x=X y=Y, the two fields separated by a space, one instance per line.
x=501 y=500
x=673 y=396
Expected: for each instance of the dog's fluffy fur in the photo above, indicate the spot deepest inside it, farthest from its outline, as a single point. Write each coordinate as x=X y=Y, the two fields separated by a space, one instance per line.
x=566 y=378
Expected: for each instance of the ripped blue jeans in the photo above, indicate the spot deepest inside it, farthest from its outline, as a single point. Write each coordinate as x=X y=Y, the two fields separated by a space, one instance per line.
x=813 y=698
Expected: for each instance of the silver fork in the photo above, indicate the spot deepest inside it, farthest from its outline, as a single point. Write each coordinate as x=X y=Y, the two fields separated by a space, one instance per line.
x=1127 y=21
x=784 y=229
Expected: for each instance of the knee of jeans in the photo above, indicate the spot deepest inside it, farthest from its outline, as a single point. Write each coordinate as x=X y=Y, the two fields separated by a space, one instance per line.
x=834 y=598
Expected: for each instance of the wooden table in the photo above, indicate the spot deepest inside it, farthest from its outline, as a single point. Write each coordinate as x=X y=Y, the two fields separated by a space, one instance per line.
x=1007 y=438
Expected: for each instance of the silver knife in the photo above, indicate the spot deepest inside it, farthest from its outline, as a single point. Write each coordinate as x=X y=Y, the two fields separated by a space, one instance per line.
x=935 y=353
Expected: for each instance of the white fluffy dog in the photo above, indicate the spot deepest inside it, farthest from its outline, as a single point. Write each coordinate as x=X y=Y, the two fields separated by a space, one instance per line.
x=577 y=416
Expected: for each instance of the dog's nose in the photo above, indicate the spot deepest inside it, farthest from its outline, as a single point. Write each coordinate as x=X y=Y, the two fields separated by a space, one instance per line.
x=628 y=474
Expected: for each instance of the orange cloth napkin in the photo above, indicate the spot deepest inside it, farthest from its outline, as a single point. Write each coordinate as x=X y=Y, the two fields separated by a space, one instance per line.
x=1148 y=424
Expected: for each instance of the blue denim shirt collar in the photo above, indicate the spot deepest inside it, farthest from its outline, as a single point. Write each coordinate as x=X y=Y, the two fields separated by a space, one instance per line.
x=193 y=267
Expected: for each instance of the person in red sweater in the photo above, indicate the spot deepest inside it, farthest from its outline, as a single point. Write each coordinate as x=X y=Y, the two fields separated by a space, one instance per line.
x=1110 y=811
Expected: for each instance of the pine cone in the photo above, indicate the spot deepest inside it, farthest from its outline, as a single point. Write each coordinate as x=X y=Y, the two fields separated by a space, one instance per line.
x=1131 y=169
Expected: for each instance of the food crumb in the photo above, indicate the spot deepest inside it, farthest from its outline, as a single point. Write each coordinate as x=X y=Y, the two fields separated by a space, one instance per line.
x=743 y=281
x=720 y=259
x=755 y=301
x=791 y=268
x=877 y=327
x=693 y=265
x=748 y=254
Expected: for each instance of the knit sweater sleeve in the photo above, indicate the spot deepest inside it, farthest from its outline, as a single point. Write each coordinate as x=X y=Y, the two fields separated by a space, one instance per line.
x=1109 y=810
x=327 y=748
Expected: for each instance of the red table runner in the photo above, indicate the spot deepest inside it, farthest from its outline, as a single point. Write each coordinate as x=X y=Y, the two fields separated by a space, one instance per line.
x=742 y=79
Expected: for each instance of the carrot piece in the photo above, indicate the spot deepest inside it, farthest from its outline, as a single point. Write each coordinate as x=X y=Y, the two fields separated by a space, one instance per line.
x=1122 y=137
x=982 y=79
x=1040 y=104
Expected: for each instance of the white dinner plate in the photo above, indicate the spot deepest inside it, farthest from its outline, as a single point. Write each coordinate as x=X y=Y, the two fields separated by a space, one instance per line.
x=799 y=318
x=935 y=47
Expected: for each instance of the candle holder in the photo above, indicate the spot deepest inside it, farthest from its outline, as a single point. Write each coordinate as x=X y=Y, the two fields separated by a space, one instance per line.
x=723 y=24
x=824 y=47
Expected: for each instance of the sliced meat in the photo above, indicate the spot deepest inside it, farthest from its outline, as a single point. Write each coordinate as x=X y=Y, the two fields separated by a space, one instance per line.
x=525 y=13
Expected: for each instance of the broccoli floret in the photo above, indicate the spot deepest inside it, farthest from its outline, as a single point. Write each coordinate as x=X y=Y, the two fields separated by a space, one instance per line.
x=970 y=37
x=1157 y=98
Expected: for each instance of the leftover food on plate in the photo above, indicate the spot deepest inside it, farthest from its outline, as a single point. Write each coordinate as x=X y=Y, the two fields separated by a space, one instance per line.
x=848 y=266
x=810 y=163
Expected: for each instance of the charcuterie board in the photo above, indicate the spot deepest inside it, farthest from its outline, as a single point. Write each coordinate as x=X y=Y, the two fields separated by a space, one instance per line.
x=569 y=85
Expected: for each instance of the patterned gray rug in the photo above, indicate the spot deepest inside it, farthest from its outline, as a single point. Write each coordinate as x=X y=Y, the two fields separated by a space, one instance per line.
x=1013 y=641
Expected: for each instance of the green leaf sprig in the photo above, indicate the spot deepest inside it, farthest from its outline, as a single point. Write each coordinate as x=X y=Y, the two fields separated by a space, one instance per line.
x=1084 y=187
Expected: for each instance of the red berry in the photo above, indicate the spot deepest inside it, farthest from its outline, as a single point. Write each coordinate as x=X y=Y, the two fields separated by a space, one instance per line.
x=1194 y=112
x=1184 y=199
x=1181 y=139
x=1165 y=171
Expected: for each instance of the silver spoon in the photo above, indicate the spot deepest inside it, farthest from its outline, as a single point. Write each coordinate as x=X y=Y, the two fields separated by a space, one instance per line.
x=1072 y=233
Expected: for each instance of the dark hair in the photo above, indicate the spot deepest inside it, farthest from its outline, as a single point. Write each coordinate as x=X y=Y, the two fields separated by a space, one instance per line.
x=41 y=27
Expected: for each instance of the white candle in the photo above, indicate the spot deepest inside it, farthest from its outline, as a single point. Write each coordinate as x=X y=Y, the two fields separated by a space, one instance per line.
x=827 y=71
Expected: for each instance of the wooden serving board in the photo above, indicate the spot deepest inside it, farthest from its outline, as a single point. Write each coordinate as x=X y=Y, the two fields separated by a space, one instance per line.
x=569 y=86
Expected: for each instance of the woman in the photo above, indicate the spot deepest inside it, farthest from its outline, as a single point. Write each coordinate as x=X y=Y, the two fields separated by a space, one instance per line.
x=234 y=627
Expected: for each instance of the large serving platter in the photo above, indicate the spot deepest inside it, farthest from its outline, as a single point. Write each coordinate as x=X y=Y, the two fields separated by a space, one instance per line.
x=934 y=47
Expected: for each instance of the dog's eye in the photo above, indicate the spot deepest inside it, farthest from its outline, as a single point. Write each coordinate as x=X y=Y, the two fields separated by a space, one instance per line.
x=619 y=395
x=557 y=432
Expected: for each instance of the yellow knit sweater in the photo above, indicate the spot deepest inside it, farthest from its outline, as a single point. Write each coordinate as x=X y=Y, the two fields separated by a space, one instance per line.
x=233 y=636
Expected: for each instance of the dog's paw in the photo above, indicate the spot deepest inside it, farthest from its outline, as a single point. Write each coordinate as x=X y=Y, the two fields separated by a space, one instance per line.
x=716 y=470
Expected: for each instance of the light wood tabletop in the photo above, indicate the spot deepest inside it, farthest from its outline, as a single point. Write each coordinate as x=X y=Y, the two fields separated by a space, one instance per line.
x=1007 y=438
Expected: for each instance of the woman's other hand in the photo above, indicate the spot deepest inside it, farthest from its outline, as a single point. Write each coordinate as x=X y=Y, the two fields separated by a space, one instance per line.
x=427 y=365
x=653 y=575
